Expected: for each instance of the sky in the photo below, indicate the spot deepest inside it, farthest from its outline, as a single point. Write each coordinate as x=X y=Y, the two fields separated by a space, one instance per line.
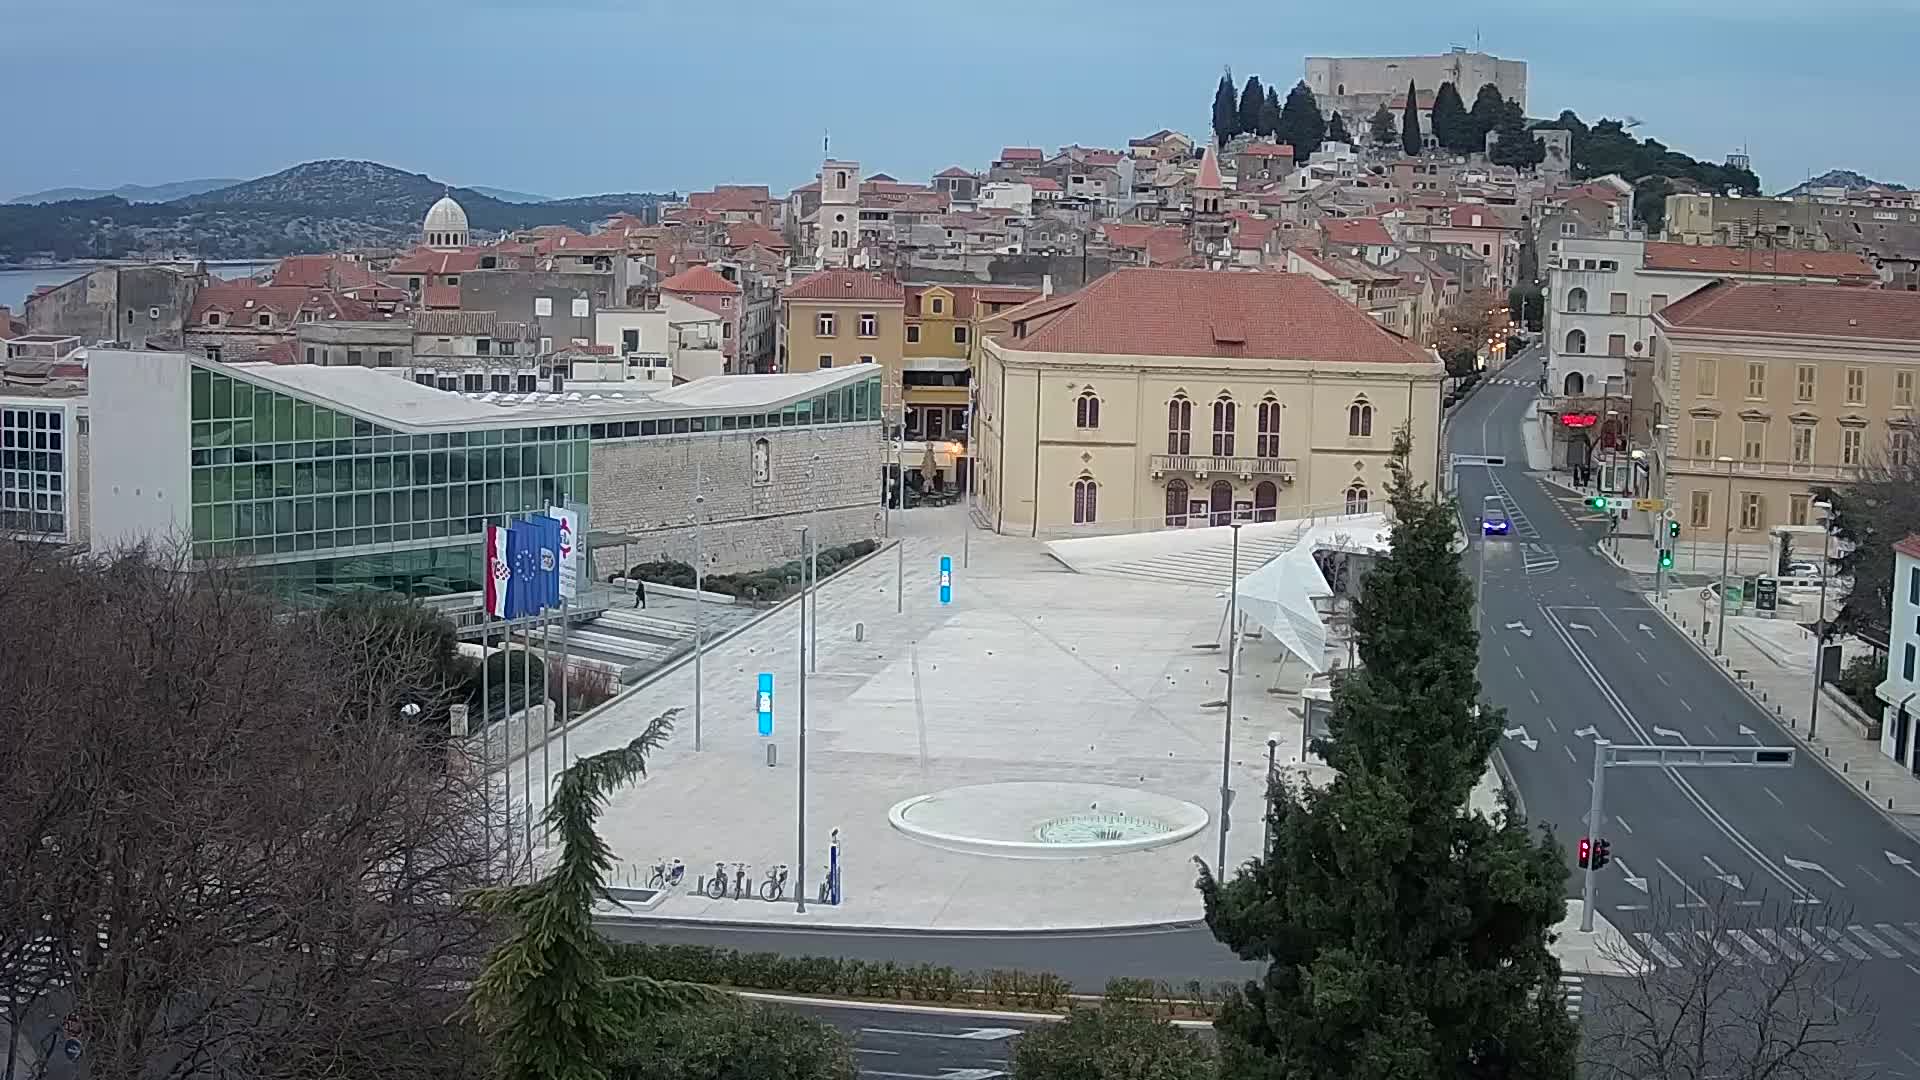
x=569 y=97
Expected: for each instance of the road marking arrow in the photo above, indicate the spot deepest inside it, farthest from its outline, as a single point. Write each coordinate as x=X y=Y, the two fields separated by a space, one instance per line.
x=1668 y=733
x=1731 y=879
x=1802 y=864
x=1520 y=734
x=1586 y=732
x=1520 y=626
x=971 y=1034
x=1636 y=882
x=1581 y=626
x=1745 y=730
x=1902 y=862
x=1647 y=630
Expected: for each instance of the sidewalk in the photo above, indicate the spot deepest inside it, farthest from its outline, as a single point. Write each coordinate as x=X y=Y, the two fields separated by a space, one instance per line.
x=1778 y=673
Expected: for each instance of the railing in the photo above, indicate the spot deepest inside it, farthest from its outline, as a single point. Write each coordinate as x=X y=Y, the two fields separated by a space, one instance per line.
x=1233 y=466
x=1790 y=470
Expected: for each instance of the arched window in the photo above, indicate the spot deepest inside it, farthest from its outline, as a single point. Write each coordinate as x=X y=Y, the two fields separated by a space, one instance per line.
x=1176 y=502
x=1086 y=500
x=1086 y=410
x=1360 y=419
x=1266 y=501
x=1223 y=413
x=1576 y=299
x=1220 y=503
x=1576 y=384
x=1179 y=425
x=1576 y=341
x=1357 y=496
x=1267 y=444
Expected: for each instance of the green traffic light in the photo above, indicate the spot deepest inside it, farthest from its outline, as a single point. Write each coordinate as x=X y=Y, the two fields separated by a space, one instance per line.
x=1666 y=560
x=1597 y=503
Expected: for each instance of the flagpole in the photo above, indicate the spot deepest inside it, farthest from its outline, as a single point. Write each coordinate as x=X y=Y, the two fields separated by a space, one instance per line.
x=546 y=721
x=486 y=700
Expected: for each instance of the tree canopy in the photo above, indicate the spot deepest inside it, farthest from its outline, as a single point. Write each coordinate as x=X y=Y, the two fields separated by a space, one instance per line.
x=1337 y=130
x=1870 y=515
x=1252 y=100
x=1120 y=1040
x=1270 y=113
x=1226 y=111
x=1410 y=140
x=1405 y=935
x=1382 y=128
x=1451 y=125
x=1516 y=145
x=1301 y=125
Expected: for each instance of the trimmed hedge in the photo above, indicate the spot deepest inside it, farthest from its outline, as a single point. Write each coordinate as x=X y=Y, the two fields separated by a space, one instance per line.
x=835 y=976
x=769 y=585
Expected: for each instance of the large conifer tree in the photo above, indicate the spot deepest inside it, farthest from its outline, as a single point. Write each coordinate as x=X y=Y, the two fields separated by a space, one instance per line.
x=1488 y=107
x=1301 y=124
x=1270 y=113
x=1451 y=128
x=1253 y=98
x=1410 y=123
x=1384 y=130
x=1337 y=130
x=1405 y=934
x=1226 y=113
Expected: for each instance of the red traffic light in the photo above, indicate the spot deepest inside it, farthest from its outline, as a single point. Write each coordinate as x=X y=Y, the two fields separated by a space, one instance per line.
x=1586 y=851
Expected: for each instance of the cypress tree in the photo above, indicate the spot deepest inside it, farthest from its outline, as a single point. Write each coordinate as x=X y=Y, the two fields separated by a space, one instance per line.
x=1270 y=113
x=1406 y=935
x=1301 y=124
x=1337 y=131
x=1488 y=106
x=1253 y=98
x=1226 y=115
x=1384 y=130
x=1450 y=124
x=1410 y=123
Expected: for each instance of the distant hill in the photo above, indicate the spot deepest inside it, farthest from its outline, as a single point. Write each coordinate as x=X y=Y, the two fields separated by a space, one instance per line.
x=509 y=195
x=1841 y=178
x=312 y=207
x=133 y=193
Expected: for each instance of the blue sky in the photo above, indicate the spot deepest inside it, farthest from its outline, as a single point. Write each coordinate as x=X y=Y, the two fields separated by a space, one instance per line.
x=567 y=97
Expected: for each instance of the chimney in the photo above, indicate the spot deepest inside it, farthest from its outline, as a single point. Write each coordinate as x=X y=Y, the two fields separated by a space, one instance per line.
x=1046 y=286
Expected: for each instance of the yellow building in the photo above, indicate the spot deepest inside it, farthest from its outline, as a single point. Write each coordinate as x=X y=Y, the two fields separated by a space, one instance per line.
x=1181 y=398
x=1763 y=390
x=838 y=318
x=943 y=332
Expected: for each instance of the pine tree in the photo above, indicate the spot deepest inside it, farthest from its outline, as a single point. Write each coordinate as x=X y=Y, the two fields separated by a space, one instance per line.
x=1301 y=125
x=1270 y=113
x=1405 y=934
x=1410 y=140
x=1337 y=130
x=1488 y=104
x=1517 y=146
x=1384 y=129
x=1450 y=124
x=1226 y=115
x=1253 y=98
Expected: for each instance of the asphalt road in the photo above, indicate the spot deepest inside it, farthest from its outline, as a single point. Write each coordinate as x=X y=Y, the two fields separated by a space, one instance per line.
x=930 y=1045
x=1571 y=650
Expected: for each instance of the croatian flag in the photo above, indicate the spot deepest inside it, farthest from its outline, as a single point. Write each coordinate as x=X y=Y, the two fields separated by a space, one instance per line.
x=498 y=571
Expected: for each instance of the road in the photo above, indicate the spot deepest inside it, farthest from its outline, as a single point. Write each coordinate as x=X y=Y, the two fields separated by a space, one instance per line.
x=924 y=1045
x=1570 y=648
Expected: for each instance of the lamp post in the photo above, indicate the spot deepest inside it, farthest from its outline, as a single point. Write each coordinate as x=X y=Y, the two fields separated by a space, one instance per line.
x=1726 y=550
x=1820 y=632
x=800 y=795
x=1266 y=818
x=1233 y=662
x=699 y=583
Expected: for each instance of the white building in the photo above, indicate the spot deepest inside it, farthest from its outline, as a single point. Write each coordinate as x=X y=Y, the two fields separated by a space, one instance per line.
x=1011 y=196
x=445 y=226
x=1902 y=684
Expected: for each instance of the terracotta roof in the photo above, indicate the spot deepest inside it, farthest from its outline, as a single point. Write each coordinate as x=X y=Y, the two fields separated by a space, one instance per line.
x=746 y=234
x=1164 y=244
x=845 y=285
x=1261 y=149
x=747 y=198
x=1210 y=170
x=427 y=261
x=1910 y=547
x=457 y=324
x=1834 y=312
x=953 y=171
x=1044 y=183
x=1843 y=265
x=240 y=302
x=1212 y=313
x=321 y=272
x=1253 y=232
x=1356 y=231
x=1022 y=153
x=440 y=296
x=701 y=279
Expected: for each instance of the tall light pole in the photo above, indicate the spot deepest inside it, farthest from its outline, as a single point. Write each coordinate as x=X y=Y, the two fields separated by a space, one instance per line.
x=1726 y=550
x=1233 y=662
x=800 y=796
x=1820 y=633
x=699 y=583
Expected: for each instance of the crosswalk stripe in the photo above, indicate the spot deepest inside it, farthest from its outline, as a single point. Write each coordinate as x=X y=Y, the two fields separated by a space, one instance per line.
x=1752 y=946
x=1813 y=944
x=1875 y=943
x=1840 y=939
x=1887 y=931
x=1782 y=945
x=1687 y=945
x=1651 y=945
x=1719 y=946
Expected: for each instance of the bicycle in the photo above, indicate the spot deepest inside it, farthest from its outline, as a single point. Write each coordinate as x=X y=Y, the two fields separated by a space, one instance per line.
x=715 y=887
x=774 y=888
x=741 y=890
x=666 y=874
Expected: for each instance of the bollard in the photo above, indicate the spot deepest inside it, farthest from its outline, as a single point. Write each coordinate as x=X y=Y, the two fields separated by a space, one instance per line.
x=859 y=631
x=1826 y=751
x=1867 y=784
x=773 y=754
x=1843 y=768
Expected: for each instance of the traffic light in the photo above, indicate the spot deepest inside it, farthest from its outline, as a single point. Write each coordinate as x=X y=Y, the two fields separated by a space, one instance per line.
x=1597 y=502
x=1586 y=848
x=1666 y=559
x=1673 y=530
x=1602 y=854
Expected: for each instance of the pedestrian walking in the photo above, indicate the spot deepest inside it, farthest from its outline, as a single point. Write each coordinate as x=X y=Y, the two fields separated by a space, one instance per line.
x=639 y=593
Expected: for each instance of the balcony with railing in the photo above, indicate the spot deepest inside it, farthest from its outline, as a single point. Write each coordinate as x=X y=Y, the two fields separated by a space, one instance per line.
x=1771 y=470
x=1197 y=465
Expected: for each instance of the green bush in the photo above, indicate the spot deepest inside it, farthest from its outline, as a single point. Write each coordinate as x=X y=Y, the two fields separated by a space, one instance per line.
x=839 y=976
x=767 y=586
x=664 y=572
x=733 y=1041
x=1859 y=678
x=1120 y=1040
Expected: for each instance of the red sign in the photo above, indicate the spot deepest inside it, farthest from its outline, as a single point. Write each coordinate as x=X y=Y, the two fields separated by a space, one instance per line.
x=1579 y=419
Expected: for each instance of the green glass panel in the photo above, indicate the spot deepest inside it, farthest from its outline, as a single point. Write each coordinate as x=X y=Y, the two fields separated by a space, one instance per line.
x=283 y=479
x=243 y=521
x=262 y=414
x=303 y=478
x=242 y=482
x=303 y=420
x=421 y=505
x=222 y=390
x=222 y=522
x=202 y=435
x=242 y=432
x=382 y=503
x=200 y=382
x=202 y=486
x=283 y=426
x=303 y=515
x=580 y=458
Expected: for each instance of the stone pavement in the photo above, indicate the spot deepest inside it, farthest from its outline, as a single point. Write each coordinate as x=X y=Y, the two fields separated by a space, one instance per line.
x=1772 y=660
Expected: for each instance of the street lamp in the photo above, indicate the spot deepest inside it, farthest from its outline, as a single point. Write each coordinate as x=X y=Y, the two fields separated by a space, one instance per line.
x=1726 y=551
x=699 y=583
x=1233 y=662
x=800 y=795
x=1820 y=626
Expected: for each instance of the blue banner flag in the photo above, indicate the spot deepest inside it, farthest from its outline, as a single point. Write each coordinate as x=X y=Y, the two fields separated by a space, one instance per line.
x=525 y=543
x=549 y=561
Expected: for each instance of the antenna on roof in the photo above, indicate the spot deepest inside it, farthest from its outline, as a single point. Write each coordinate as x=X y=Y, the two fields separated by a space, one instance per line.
x=826 y=143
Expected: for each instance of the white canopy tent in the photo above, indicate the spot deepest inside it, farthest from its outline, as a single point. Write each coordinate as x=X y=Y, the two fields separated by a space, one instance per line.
x=1280 y=595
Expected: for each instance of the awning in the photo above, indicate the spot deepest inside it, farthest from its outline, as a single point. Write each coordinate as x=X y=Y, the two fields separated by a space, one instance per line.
x=1280 y=598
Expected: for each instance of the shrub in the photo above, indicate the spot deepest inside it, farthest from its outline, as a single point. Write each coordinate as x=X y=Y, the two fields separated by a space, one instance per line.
x=732 y=1041
x=663 y=572
x=834 y=975
x=770 y=585
x=582 y=686
x=1859 y=678
x=1120 y=1040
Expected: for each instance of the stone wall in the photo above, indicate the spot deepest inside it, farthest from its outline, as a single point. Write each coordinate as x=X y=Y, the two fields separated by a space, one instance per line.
x=645 y=486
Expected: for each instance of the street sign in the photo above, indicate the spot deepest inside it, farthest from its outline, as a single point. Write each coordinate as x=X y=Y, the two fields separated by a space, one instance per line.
x=1650 y=505
x=946 y=579
x=72 y=1049
x=1669 y=514
x=763 y=703
x=1766 y=594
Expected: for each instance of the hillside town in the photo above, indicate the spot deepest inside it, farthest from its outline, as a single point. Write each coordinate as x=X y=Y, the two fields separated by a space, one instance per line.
x=1039 y=364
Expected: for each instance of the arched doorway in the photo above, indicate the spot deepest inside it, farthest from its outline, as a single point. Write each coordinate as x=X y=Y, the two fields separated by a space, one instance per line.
x=1220 y=503
x=1266 y=501
x=1579 y=451
x=1576 y=384
x=1176 y=502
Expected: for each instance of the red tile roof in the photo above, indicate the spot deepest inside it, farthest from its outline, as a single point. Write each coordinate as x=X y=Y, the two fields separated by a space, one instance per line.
x=700 y=280
x=1833 y=312
x=1043 y=183
x=953 y=171
x=1212 y=313
x=441 y=296
x=1910 y=547
x=321 y=272
x=240 y=303
x=1022 y=153
x=427 y=261
x=845 y=285
x=1253 y=232
x=1210 y=170
x=747 y=234
x=1355 y=232
x=1260 y=149
x=1842 y=265
x=1165 y=245
x=737 y=198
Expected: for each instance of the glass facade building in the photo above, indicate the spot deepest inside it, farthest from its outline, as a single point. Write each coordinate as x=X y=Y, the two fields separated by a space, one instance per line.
x=33 y=470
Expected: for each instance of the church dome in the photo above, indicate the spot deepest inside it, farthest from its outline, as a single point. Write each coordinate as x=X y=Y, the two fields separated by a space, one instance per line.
x=446 y=224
